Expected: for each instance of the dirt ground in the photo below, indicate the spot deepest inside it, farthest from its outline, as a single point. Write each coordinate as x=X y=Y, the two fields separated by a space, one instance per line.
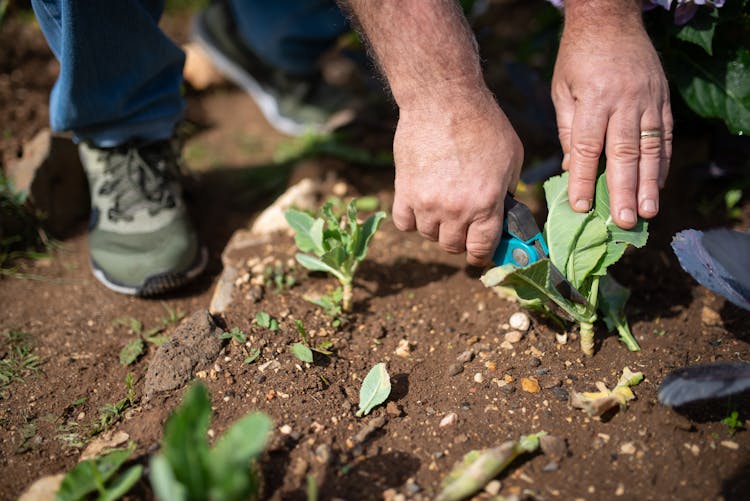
x=408 y=293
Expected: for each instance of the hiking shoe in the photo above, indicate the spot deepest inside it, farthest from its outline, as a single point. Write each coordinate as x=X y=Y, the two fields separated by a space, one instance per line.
x=292 y=105
x=141 y=240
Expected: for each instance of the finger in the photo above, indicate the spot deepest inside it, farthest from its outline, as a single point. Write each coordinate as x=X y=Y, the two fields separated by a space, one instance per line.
x=428 y=228
x=482 y=238
x=586 y=143
x=565 y=111
x=623 y=153
x=666 y=150
x=452 y=237
x=403 y=216
x=649 y=163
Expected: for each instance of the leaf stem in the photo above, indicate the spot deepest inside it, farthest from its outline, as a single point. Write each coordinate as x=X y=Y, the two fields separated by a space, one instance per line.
x=587 y=338
x=627 y=337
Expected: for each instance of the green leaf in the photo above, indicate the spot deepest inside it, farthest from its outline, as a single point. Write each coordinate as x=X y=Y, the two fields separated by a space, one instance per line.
x=612 y=300
x=588 y=250
x=375 y=389
x=700 y=30
x=131 y=352
x=165 y=484
x=185 y=445
x=314 y=264
x=563 y=223
x=122 y=484
x=716 y=87
x=533 y=283
x=230 y=463
x=308 y=231
x=302 y=352
x=252 y=356
x=263 y=319
x=365 y=235
x=82 y=479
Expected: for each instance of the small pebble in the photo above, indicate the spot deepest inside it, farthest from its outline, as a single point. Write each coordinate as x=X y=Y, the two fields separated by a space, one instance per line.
x=412 y=487
x=529 y=385
x=730 y=444
x=561 y=338
x=513 y=336
x=323 y=453
x=519 y=321
x=710 y=317
x=465 y=357
x=493 y=488
x=393 y=409
x=482 y=347
x=551 y=466
x=506 y=345
x=454 y=369
x=508 y=388
x=448 y=420
x=535 y=362
x=429 y=411
x=627 y=448
x=542 y=371
x=285 y=429
x=478 y=378
x=560 y=393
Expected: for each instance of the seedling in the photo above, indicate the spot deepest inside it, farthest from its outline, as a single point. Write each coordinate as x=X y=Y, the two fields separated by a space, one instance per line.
x=188 y=469
x=303 y=350
x=173 y=315
x=278 y=278
x=582 y=247
x=240 y=338
x=265 y=320
x=331 y=304
x=733 y=422
x=375 y=389
x=135 y=348
x=111 y=413
x=337 y=246
x=95 y=476
x=17 y=362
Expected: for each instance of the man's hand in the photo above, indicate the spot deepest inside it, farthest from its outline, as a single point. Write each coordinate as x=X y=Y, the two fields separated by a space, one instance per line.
x=456 y=153
x=611 y=96
x=454 y=163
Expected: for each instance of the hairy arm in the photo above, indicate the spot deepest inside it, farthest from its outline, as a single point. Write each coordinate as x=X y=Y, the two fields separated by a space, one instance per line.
x=456 y=154
x=608 y=87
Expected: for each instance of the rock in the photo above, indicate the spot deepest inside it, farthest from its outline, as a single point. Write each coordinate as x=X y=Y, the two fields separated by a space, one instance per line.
x=222 y=296
x=104 y=442
x=535 y=362
x=199 y=71
x=412 y=487
x=393 y=409
x=710 y=317
x=519 y=321
x=513 y=336
x=478 y=378
x=627 y=448
x=302 y=195
x=285 y=429
x=465 y=357
x=255 y=293
x=454 y=369
x=43 y=489
x=196 y=342
x=404 y=349
x=368 y=429
x=529 y=385
x=450 y=419
x=561 y=338
x=50 y=171
x=561 y=394
x=323 y=453
x=554 y=447
x=493 y=487
x=506 y=345
x=551 y=466
x=299 y=467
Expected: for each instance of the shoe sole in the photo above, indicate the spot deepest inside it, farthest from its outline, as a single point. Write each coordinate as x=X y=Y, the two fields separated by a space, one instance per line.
x=155 y=284
x=266 y=102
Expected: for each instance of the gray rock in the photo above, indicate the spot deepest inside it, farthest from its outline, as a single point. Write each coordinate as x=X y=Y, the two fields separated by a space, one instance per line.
x=222 y=296
x=194 y=343
x=465 y=357
x=560 y=393
x=454 y=369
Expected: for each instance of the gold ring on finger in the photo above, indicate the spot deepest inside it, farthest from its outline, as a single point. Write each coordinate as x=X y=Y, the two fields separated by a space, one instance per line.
x=650 y=133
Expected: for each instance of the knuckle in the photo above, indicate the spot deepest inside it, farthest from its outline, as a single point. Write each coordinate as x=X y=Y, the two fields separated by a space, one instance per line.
x=651 y=149
x=588 y=149
x=626 y=151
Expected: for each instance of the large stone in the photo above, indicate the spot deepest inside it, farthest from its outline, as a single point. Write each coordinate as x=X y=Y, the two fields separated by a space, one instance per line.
x=302 y=195
x=50 y=171
x=195 y=343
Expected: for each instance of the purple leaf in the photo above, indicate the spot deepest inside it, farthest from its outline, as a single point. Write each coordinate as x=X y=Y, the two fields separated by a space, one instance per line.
x=701 y=382
x=719 y=260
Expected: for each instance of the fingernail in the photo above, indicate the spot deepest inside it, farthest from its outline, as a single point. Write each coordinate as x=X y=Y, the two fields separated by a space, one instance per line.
x=627 y=216
x=583 y=204
x=648 y=205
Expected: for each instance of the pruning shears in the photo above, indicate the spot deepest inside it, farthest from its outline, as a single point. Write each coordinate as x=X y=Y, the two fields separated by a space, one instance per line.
x=522 y=244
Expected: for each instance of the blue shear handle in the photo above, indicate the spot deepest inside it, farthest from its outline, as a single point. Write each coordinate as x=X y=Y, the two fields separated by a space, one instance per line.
x=512 y=249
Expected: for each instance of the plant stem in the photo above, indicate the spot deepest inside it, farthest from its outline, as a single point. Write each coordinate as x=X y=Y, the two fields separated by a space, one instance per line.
x=587 y=338
x=627 y=337
x=346 y=297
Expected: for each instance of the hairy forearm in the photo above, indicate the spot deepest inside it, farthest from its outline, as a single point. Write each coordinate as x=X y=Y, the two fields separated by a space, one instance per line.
x=602 y=14
x=425 y=48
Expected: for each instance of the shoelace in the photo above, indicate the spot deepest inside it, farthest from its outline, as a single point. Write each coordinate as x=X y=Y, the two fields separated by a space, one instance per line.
x=137 y=179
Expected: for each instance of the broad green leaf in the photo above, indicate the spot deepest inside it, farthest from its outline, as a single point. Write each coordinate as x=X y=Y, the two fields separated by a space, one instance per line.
x=563 y=223
x=81 y=480
x=185 y=445
x=366 y=233
x=162 y=479
x=308 y=232
x=131 y=352
x=232 y=475
x=375 y=389
x=700 y=30
x=315 y=264
x=588 y=250
x=716 y=87
x=263 y=319
x=532 y=283
x=122 y=484
x=302 y=352
x=612 y=300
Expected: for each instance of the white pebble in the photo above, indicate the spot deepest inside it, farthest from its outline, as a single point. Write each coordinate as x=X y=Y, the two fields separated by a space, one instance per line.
x=513 y=336
x=561 y=338
x=449 y=419
x=285 y=429
x=478 y=378
x=493 y=488
x=520 y=321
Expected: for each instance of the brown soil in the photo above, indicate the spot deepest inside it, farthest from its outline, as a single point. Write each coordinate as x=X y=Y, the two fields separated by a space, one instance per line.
x=406 y=290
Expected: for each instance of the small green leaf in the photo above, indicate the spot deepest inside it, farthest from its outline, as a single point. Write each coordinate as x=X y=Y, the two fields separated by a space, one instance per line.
x=263 y=319
x=131 y=352
x=308 y=231
x=368 y=230
x=252 y=355
x=163 y=481
x=375 y=389
x=302 y=352
x=612 y=300
x=82 y=479
x=315 y=264
x=700 y=30
x=122 y=484
x=322 y=348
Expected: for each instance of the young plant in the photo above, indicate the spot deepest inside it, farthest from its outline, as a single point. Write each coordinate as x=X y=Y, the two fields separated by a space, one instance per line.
x=303 y=350
x=188 y=469
x=135 y=348
x=110 y=413
x=331 y=304
x=733 y=422
x=337 y=246
x=266 y=321
x=95 y=476
x=239 y=337
x=582 y=247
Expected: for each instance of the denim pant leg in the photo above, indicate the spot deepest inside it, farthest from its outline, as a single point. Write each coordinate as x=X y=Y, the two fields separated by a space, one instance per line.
x=289 y=34
x=120 y=76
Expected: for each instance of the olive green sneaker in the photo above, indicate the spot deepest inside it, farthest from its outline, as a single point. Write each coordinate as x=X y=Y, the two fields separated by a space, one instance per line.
x=141 y=239
x=292 y=105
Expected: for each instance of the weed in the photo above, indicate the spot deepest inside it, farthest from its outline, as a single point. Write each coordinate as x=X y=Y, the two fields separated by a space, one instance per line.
x=17 y=362
x=303 y=350
x=236 y=334
x=173 y=315
x=278 y=278
x=111 y=413
x=331 y=305
x=28 y=432
x=136 y=347
x=733 y=422
x=265 y=320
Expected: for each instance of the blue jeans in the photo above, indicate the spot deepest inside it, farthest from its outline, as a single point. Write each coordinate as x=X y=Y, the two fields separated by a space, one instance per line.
x=121 y=76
